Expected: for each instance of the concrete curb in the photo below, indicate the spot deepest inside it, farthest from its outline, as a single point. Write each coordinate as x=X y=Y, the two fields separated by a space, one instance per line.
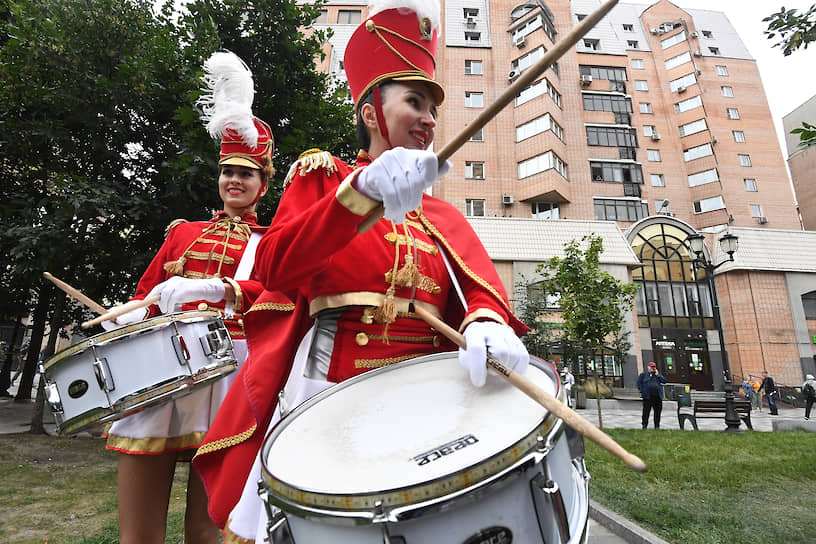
x=630 y=532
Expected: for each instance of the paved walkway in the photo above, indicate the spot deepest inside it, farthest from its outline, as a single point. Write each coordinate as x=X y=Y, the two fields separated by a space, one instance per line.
x=605 y=526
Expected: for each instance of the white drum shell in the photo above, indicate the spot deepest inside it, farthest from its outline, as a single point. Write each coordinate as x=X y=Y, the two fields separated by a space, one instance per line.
x=142 y=368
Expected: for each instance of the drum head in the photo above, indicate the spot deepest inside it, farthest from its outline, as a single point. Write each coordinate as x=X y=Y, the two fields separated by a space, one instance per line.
x=403 y=434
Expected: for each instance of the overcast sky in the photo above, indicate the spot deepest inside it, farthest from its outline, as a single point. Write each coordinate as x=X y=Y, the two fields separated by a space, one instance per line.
x=789 y=81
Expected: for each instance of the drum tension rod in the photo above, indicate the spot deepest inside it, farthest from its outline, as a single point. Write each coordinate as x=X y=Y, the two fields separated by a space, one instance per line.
x=380 y=517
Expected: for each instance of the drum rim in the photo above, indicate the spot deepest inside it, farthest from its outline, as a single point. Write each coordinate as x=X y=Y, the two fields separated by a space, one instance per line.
x=482 y=472
x=106 y=337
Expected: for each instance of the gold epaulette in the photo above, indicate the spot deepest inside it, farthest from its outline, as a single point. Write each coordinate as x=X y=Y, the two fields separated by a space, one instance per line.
x=309 y=160
x=172 y=224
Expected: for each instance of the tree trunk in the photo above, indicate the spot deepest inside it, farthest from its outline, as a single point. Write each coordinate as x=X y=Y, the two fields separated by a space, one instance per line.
x=598 y=399
x=37 y=331
x=37 y=426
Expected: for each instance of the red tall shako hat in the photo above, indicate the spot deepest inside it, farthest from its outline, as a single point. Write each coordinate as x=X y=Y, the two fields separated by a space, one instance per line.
x=396 y=42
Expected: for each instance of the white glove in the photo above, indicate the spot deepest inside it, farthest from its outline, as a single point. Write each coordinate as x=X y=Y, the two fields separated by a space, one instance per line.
x=133 y=316
x=177 y=291
x=398 y=177
x=500 y=340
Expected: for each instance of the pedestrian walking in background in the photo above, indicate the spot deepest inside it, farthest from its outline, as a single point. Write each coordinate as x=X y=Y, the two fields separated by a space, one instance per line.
x=650 y=385
x=768 y=387
x=756 y=400
x=569 y=381
x=747 y=390
x=809 y=391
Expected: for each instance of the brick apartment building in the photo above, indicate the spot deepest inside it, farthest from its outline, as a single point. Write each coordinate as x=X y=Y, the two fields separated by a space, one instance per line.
x=656 y=126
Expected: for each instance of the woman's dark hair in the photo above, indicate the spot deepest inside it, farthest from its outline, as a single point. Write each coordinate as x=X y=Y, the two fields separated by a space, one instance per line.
x=363 y=138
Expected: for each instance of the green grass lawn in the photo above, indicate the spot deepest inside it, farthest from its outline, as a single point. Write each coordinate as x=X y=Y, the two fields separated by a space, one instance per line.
x=712 y=487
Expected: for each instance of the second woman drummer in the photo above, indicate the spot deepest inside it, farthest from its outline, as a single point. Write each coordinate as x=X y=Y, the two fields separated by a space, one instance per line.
x=202 y=265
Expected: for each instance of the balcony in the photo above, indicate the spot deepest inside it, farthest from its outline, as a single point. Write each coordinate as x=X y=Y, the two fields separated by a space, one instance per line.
x=548 y=185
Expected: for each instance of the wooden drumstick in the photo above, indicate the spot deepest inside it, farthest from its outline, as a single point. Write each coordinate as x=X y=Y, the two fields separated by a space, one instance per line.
x=75 y=294
x=569 y=416
x=116 y=311
x=509 y=94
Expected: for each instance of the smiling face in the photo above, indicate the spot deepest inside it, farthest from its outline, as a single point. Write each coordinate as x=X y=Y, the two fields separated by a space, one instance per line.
x=409 y=113
x=238 y=187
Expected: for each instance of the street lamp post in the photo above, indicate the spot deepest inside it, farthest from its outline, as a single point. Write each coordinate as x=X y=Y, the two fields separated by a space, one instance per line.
x=728 y=243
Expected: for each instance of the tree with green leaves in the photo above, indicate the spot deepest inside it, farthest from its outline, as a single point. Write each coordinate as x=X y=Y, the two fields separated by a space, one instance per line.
x=794 y=30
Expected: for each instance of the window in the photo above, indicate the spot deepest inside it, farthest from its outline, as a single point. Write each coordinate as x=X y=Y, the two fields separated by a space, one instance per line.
x=628 y=27
x=750 y=185
x=592 y=44
x=537 y=89
x=739 y=136
x=473 y=36
x=809 y=305
x=611 y=136
x=611 y=73
x=714 y=50
x=616 y=172
x=478 y=136
x=322 y=18
x=707 y=34
x=632 y=44
x=537 y=126
x=661 y=205
x=693 y=128
x=641 y=85
x=680 y=84
x=657 y=180
x=475 y=207
x=540 y=163
x=709 y=204
x=525 y=61
x=733 y=113
x=756 y=210
x=612 y=209
x=645 y=107
x=473 y=67
x=688 y=104
x=722 y=70
x=474 y=100
x=744 y=160
x=648 y=130
x=580 y=16
x=348 y=17
x=607 y=102
x=470 y=12
x=474 y=170
x=637 y=64
x=653 y=155
x=704 y=177
x=674 y=62
x=677 y=38
x=697 y=152
x=531 y=26
x=544 y=210
x=727 y=91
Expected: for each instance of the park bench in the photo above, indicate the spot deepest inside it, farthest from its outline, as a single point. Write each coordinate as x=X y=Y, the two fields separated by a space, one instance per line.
x=711 y=405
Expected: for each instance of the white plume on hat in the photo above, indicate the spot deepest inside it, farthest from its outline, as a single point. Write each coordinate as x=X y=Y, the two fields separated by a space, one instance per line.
x=227 y=102
x=423 y=8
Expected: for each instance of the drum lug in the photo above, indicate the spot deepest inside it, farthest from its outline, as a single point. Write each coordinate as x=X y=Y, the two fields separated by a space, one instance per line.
x=277 y=528
x=381 y=517
x=552 y=495
x=216 y=343
x=103 y=375
x=283 y=409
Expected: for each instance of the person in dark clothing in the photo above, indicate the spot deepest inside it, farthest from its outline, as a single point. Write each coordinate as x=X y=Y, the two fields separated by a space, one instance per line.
x=650 y=385
x=768 y=388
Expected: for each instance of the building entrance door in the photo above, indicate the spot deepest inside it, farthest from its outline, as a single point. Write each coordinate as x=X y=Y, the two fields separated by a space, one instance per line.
x=698 y=361
x=682 y=357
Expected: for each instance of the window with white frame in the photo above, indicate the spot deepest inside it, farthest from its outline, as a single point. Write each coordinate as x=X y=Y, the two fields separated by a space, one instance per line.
x=692 y=128
x=473 y=67
x=697 y=152
x=544 y=210
x=348 y=17
x=537 y=126
x=474 y=100
x=657 y=180
x=653 y=155
x=688 y=104
x=637 y=64
x=541 y=163
x=704 y=177
x=620 y=209
x=525 y=61
x=645 y=107
x=744 y=160
x=714 y=51
x=611 y=136
x=722 y=70
x=756 y=210
x=473 y=36
x=593 y=44
x=616 y=172
x=707 y=33
x=322 y=18
x=632 y=44
x=682 y=82
x=661 y=205
x=478 y=136
x=648 y=130
x=474 y=170
x=671 y=40
x=472 y=13
x=674 y=62
x=537 y=89
x=733 y=113
x=475 y=207
x=750 y=185
x=529 y=27
x=739 y=136
x=627 y=27
x=727 y=91
x=709 y=204
x=611 y=73
x=641 y=85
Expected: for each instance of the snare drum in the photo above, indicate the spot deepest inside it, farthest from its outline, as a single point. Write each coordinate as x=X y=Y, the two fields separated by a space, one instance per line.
x=125 y=370
x=413 y=453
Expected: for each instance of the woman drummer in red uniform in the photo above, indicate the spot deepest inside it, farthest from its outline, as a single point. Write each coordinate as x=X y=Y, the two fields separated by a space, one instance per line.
x=355 y=291
x=205 y=265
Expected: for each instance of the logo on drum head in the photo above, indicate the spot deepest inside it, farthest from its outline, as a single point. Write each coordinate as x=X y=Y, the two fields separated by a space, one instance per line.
x=77 y=388
x=445 y=449
x=491 y=535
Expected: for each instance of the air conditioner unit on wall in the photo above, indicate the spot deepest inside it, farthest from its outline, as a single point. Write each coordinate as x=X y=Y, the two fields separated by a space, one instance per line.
x=698 y=53
x=507 y=200
x=520 y=41
x=586 y=79
x=655 y=136
x=762 y=220
x=681 y=89
x=713 y=139
x=513 y=75
x=692 y=34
